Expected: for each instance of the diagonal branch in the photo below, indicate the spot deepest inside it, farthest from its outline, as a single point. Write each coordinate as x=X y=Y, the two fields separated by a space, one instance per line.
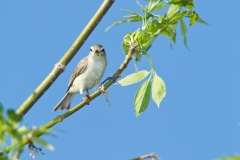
x=59 y=67
x=60 y=118
x=151 y=155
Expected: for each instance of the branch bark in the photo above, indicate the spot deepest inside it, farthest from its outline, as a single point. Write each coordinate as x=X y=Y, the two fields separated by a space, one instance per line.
x=59 y=67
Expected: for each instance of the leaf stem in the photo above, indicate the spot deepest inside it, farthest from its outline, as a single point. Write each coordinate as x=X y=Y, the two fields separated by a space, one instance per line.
x=150 y=61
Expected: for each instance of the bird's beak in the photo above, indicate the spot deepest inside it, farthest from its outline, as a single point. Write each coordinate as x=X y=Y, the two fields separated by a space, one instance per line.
x=96 y=53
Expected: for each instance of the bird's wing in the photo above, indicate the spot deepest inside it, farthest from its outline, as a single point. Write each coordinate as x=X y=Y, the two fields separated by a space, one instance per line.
x=81 y=67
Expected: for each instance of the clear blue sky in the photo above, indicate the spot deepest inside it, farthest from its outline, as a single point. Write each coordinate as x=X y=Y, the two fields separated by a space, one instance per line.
x=199 y=117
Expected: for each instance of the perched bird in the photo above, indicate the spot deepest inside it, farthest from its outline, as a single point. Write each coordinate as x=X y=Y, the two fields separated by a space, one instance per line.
x=86 y=75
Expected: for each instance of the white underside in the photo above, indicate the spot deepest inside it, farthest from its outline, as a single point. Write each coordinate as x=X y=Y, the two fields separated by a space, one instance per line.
x=91 y=76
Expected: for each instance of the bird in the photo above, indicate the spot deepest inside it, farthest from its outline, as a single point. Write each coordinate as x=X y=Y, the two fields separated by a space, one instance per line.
x=85 y=76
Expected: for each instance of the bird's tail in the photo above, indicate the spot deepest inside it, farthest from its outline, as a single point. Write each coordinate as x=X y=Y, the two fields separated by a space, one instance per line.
x=65 y=102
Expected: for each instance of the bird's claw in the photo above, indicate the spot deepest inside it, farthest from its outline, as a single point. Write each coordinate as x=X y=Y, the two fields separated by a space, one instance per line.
x=88 y=99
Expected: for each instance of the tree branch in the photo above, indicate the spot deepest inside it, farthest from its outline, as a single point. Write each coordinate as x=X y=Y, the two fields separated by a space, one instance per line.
x=59 y=67
x=151 y=155
x=60 y=118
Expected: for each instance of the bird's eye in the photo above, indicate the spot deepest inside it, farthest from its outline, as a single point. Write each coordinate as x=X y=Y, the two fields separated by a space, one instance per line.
x=90 y=49
x=103 y=50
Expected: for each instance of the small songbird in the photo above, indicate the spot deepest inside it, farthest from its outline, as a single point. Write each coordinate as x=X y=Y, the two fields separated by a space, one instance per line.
x=86 y=75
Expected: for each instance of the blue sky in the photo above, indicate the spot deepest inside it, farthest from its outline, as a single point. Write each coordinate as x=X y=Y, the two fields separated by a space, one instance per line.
x=199 y=117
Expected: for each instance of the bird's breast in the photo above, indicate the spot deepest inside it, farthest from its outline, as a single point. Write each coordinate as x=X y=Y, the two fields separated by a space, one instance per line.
x=91 y=76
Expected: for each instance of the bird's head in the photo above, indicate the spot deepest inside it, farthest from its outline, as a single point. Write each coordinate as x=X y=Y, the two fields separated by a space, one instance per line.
x=97 y=50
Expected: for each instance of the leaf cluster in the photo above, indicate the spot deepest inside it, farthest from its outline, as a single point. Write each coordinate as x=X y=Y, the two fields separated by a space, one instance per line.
x=10 y=131
x=154 y=84
x=154 y=25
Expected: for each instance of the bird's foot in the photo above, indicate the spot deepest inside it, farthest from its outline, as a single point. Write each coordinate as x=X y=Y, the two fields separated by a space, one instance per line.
x=88 y=99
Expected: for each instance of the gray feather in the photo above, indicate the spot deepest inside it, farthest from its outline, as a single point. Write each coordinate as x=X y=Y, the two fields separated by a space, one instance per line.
x=81 y=67
x=65 y=102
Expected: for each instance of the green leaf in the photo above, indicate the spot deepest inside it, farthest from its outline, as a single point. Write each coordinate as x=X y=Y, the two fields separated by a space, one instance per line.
x=5 y=128
x=200 y=20
x=43 y=143
x=128 y=38
x=183 y=29
x=173 y=33
x=13 y=116
x=129 y=19
x=185 y=3
x=193 y=18
x=142 y=98
x=131 y=12
x=153 y=6
x=141 y=6
x=134 y=17
x=158 y=89
x=145 y=40
x=133 y=78
x=116 y=23
x=159 y=7
x=23 y=130
x=126 y=42
x=154 y=27
x=170 y=32
x=177 y=17
x=173 y=9
x=146 y=22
